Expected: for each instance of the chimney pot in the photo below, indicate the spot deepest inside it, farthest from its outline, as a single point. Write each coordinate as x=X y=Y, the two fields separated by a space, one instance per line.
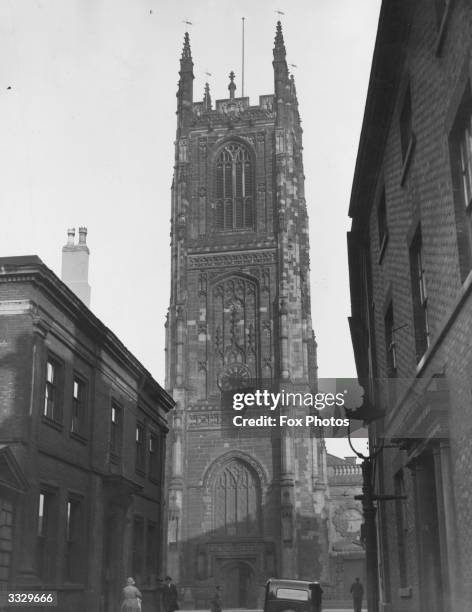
x=82 y=235
x=70 y=236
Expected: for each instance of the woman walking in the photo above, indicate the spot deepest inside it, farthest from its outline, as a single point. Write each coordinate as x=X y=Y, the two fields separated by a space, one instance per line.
x=131 y=597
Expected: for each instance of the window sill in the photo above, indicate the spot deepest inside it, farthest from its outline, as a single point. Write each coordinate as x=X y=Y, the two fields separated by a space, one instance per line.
x=52 y=423
x=441 y=35
x=407 y=160
x=383 y=247
x=236 y=230
x=78 y=437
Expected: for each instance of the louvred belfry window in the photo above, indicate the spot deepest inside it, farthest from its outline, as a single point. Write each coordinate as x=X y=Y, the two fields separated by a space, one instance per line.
x=234 y=189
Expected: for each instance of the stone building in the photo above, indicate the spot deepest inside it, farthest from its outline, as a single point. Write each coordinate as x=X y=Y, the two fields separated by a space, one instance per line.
x=82 y=443
x=346 y=548
x=411 y=292
x=244 y=504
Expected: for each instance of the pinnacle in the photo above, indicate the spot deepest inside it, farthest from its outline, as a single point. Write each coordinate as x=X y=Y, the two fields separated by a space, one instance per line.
x=186 y=51
x=279 y=46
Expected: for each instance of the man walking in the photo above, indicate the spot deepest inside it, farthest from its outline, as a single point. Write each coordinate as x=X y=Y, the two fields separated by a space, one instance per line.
x=169 y=596
x=357 y=591
x=215 y=603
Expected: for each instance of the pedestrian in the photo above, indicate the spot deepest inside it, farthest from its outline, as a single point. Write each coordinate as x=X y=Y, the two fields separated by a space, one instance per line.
x=169 y=596
x=215 y=603
x=131 y=597
x=357 y=591
x=316 y=594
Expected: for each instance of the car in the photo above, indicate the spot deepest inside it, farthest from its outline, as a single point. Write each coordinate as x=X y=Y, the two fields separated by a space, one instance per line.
x=292 y=596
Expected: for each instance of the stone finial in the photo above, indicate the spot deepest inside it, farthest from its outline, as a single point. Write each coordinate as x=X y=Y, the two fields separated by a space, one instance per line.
x=232 y=85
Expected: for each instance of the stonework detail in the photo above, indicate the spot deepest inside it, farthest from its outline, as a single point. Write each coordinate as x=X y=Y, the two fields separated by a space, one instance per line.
x=223 y=260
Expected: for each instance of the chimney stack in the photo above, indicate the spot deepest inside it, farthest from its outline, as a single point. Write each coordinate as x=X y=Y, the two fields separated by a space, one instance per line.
x=75 y=263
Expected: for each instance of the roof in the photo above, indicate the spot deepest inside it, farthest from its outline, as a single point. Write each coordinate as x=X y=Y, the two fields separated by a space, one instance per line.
x=30 y=268
x=333 y=460
x=285 y=582
x=387 y=66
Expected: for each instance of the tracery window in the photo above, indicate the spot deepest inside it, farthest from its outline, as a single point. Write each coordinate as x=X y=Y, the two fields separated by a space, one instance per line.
x=236 y=500
x=234 y=189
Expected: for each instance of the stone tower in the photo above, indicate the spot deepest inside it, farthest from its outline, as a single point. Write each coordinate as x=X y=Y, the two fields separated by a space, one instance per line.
x=244 y=504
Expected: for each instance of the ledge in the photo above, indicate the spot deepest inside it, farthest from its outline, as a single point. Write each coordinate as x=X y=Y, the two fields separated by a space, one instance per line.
x=383 y=247
x=52 y=423
x=441 y=35
x=407 y=160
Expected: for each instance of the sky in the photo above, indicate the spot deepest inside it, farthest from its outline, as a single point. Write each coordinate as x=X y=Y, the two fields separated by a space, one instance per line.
x=87 y=124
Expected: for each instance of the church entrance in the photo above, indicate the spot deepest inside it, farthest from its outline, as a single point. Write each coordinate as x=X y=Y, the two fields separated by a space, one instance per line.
x=238 y=585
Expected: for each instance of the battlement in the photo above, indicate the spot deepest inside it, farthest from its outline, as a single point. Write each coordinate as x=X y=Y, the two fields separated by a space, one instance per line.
x=234 y=106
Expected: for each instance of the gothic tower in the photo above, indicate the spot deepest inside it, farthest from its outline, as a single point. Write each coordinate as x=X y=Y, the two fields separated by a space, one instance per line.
x=244 y=504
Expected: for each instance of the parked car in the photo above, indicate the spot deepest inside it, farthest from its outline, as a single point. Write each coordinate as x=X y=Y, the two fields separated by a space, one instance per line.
x=292 y=596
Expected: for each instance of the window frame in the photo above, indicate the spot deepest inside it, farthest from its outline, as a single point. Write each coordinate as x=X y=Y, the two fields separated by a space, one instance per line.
x=73 y=543
x=155 y=456
x=442 y=14
x=116 y=430
x=55 y=388
x=82 y=430
x=46 y=536
x=140 y=444
x=382 y=222
x=461 y=123
x=419 y=295
x=407 y=134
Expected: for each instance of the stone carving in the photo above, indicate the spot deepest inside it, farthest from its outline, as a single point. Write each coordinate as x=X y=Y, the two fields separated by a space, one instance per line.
x=203 y=420
x=247 y=258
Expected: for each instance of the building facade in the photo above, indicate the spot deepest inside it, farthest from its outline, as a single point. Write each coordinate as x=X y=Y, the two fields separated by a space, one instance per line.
x=82 y=443
x=346 y=546
x=243 y=505
x=411 y=292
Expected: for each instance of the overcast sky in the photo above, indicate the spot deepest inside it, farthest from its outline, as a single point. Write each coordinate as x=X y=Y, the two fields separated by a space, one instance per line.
x=87 y=125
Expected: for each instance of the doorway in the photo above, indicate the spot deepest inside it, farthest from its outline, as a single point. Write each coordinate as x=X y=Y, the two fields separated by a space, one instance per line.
x=238 y=586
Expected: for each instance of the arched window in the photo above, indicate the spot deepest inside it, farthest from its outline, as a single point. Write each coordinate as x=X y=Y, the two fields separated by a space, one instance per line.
x=236 y=500
x=234 y=189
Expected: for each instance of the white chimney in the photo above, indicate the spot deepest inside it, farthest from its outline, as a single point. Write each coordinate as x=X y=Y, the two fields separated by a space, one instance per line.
x=75 y=263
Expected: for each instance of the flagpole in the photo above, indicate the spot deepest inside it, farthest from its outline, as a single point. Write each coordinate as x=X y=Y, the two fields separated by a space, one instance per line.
x=242 y=70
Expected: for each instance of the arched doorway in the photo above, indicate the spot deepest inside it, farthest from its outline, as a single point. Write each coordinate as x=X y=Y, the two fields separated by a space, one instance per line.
x=238 y=585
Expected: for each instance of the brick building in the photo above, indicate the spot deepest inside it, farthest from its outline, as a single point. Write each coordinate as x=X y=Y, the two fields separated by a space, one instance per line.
x=82 y=439
x=243 y=505
x=411 y=292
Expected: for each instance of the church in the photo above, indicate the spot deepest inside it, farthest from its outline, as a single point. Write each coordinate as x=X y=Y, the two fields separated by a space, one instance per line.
x=243 y=504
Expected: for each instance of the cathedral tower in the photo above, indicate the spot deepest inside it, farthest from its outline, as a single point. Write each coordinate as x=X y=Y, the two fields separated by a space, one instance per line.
x=244 y=504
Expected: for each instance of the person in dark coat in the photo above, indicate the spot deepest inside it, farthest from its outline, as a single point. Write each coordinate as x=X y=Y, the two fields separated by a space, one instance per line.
x=215 y=603
x=169 y=596
x=316 y=595
x=357 y=592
